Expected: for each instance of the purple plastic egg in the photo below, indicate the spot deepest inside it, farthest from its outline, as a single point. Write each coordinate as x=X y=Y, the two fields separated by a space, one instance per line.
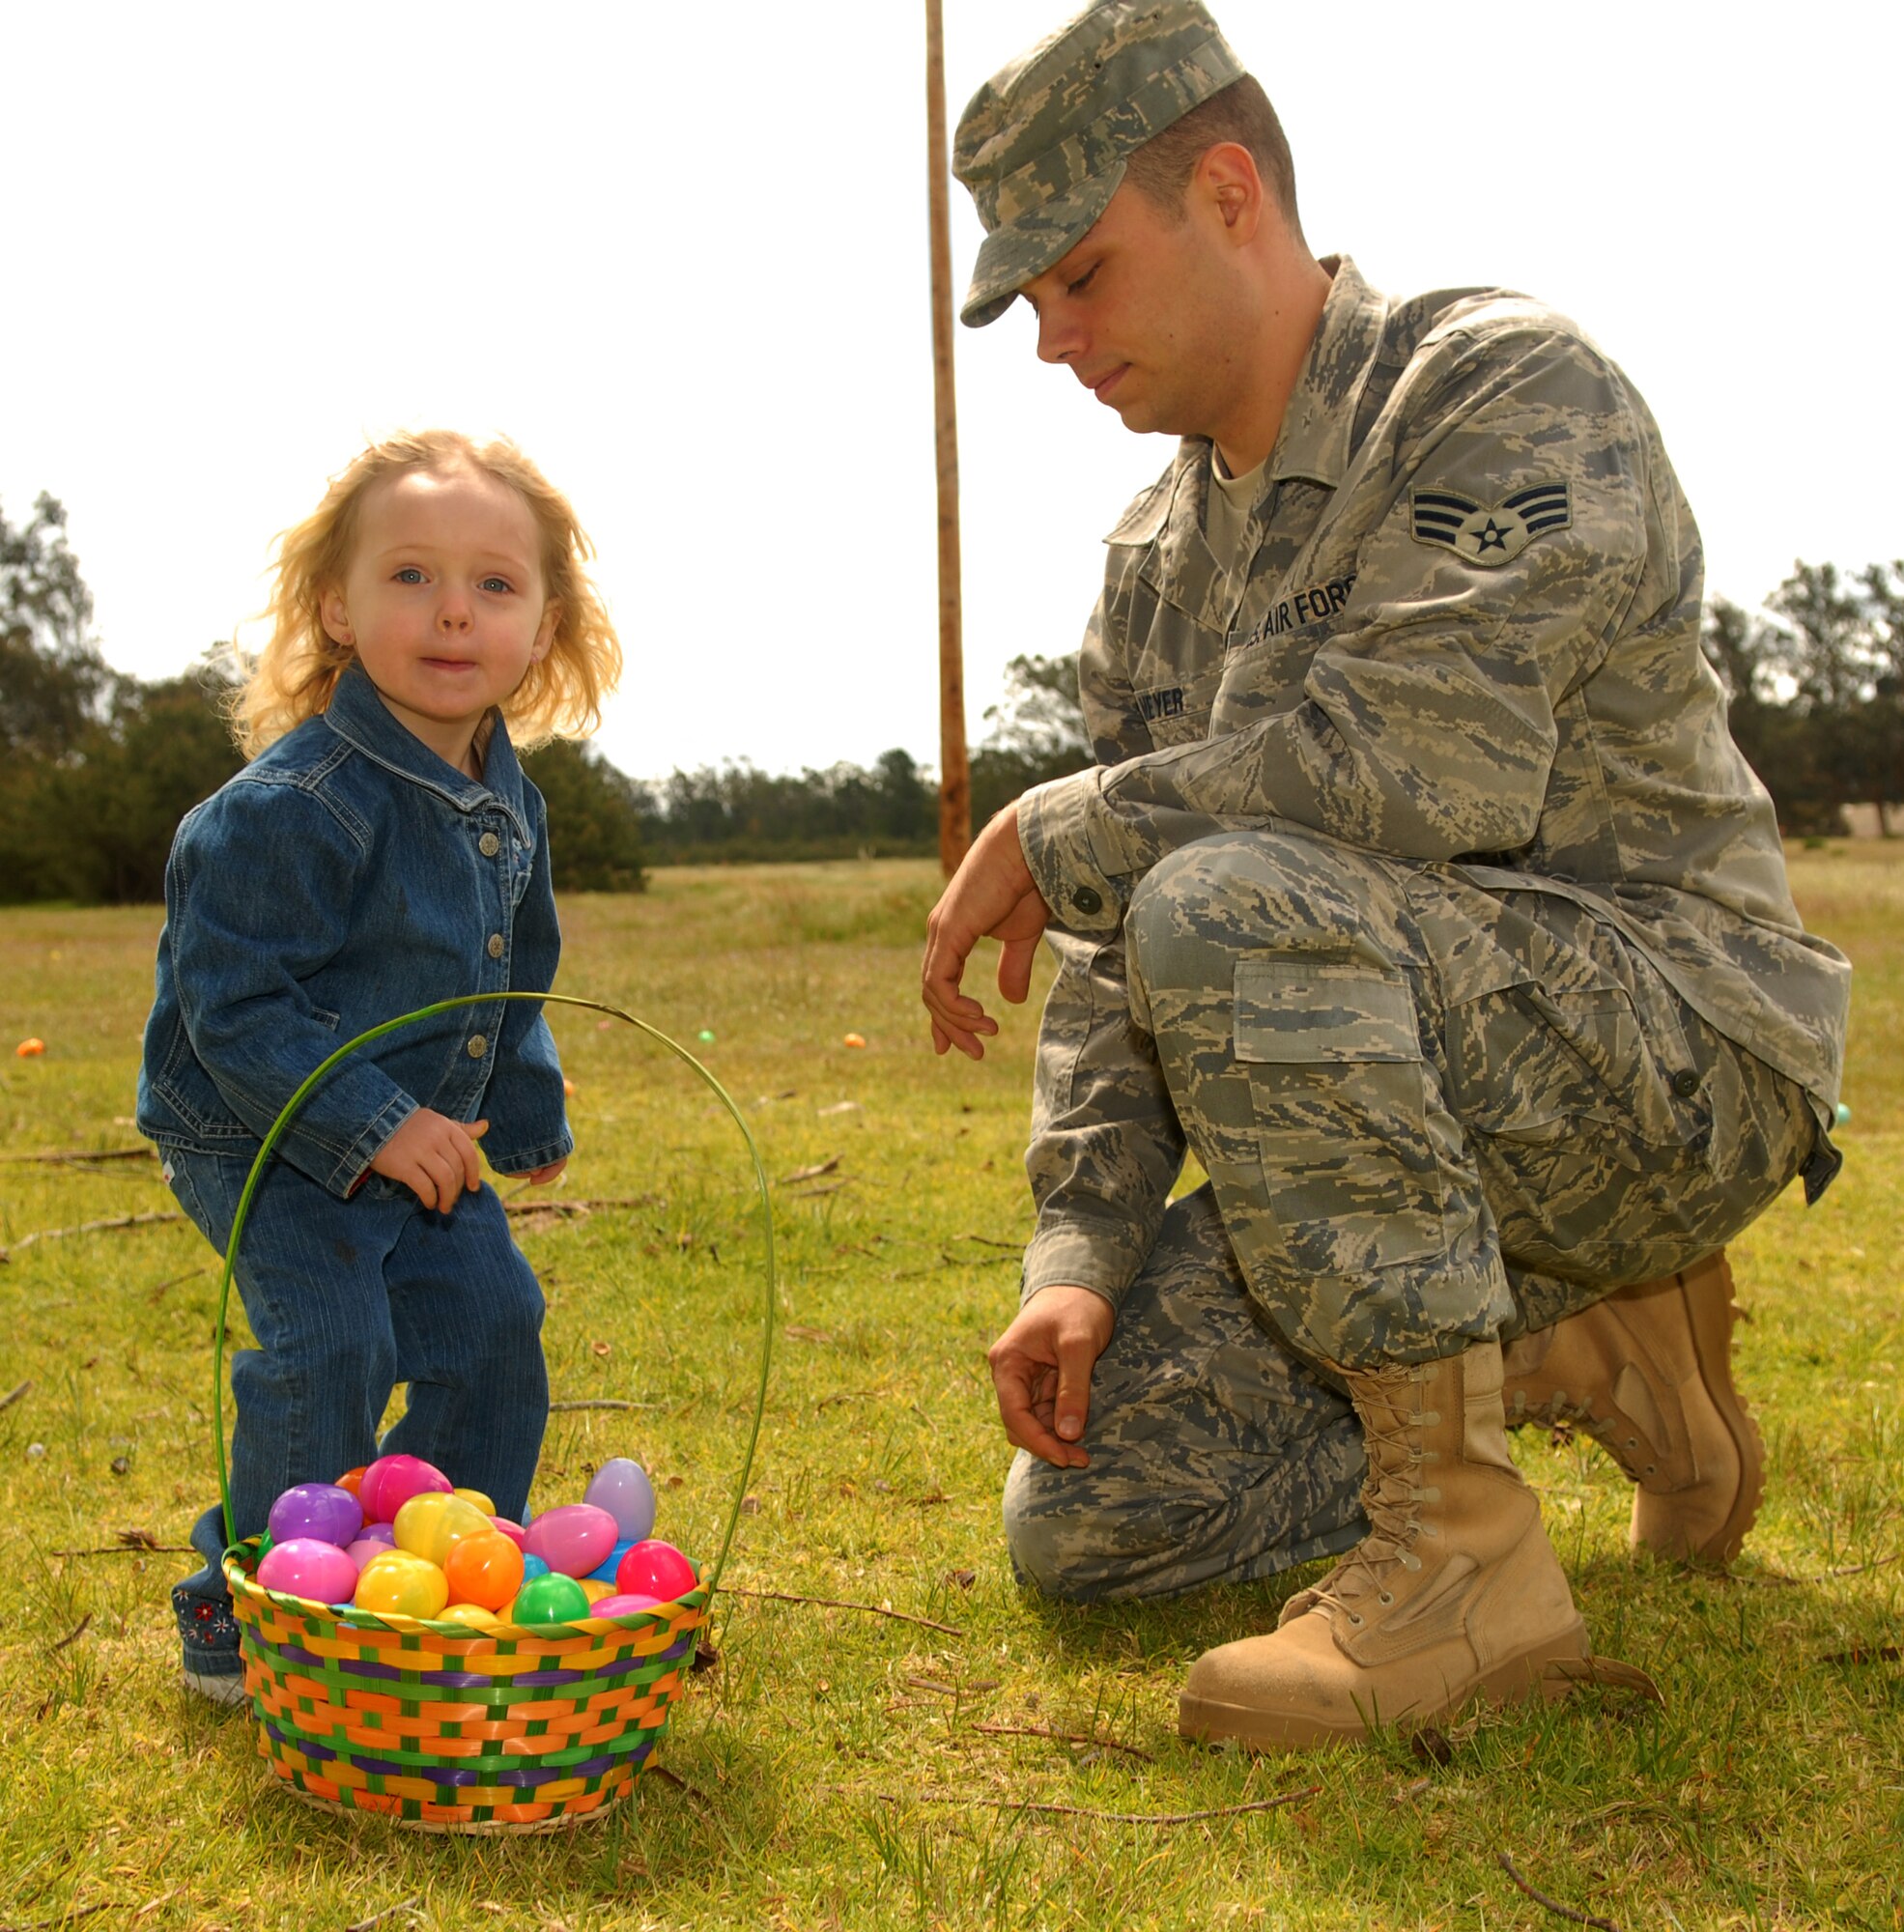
x=320 y=1509
x=572 y=1538
x=319 y=1571
x=381 y=1533
x=622 y=1487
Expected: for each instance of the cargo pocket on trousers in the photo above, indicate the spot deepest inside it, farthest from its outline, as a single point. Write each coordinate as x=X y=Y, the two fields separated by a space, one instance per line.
x=1333 y=1056
x=1526 y=1063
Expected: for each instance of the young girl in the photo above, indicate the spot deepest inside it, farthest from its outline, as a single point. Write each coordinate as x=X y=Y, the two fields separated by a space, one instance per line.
x=383 y=850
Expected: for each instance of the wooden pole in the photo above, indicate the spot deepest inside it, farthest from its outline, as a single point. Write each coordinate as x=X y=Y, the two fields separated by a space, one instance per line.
x=955 y=771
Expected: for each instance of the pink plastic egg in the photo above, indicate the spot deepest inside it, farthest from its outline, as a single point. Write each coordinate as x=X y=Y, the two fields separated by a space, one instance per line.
x=514 y=1531
x=623 y=1605
x=572 y=1538
x=655 y=1569
x=303 y=1566
x=392 y=1480
x=363 y=1549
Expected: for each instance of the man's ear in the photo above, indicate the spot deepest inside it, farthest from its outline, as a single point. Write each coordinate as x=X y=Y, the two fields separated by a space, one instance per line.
x=545 y=636
x=1227 y=181
x=336 y=619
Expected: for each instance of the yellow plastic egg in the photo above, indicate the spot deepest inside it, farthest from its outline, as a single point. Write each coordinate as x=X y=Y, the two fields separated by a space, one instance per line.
x=473 y=1614
x=430 y=1526
x=595 y=1588
x=476 y=1500
x=401 y=1583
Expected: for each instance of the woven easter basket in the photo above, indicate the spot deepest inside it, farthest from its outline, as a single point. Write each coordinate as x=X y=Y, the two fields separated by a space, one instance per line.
x=436 y=1726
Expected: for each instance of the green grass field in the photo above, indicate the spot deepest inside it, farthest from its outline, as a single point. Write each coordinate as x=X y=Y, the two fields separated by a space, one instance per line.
x=841 y=1768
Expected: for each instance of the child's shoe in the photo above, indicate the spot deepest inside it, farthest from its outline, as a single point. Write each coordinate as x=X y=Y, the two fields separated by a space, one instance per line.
x=208 y=1637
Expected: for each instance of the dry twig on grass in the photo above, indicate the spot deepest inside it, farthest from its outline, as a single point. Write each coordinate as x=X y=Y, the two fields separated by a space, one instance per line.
x=838 y=1604
x=82 y=1157
x=409 y=1903
x=1553 y=1905
x=680 y=1783
x=70 y=1917
x=73 y=1634
x=600 y=1401
x=14 y=1395
x=134 y=1543
x=1061 y=1736
x=1108 y=1817
x=812 y=1172
x=112 y=1225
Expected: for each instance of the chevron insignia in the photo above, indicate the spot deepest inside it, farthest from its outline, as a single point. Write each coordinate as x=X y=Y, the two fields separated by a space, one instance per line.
x=1490 y=536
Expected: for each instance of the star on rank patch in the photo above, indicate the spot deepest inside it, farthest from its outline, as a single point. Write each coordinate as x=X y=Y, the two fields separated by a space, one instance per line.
x=1490 y=535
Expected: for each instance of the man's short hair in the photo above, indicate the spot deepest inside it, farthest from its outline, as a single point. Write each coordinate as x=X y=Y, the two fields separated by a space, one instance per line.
x=1240 y=112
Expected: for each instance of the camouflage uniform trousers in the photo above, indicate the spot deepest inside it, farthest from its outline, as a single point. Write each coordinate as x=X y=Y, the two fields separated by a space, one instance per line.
x=1431 y=1114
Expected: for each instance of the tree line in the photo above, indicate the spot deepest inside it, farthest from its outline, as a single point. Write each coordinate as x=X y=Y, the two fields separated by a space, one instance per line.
x=98 y=767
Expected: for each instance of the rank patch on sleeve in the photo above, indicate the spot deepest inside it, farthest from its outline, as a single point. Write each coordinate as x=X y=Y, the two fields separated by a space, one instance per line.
x=1490 y=536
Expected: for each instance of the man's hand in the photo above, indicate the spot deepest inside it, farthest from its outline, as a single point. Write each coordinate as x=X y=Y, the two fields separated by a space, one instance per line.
x=992 y=895
x=434 y=1157
x=1041 y=1370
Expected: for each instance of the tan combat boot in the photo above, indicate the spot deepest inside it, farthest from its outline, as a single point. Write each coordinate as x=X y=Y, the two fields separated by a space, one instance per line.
x=1455 y=1592
x=1647 y=1372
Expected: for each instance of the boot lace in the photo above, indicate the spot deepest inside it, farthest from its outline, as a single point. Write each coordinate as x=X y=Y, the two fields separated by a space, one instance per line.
x=1392 y=1493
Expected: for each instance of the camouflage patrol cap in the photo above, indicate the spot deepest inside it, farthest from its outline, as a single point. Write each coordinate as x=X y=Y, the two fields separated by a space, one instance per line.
x=1042 y=144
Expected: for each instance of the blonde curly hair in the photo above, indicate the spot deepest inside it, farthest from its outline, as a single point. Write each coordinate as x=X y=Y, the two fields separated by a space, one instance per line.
x=292 y=678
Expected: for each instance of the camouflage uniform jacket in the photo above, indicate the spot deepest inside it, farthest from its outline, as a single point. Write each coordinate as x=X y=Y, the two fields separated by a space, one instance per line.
x=1468 y=632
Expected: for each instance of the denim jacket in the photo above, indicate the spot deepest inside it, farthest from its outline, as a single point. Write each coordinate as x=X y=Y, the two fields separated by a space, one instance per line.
x=347 y=875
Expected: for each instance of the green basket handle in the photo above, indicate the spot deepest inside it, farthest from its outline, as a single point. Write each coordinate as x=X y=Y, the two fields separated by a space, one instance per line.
x=277 y=1131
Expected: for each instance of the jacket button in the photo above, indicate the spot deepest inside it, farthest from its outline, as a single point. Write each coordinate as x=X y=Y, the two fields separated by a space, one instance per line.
x=488 y=844
x=1088 y=899
x=1685 y=1083
x=496 y=946
x=478 y=1046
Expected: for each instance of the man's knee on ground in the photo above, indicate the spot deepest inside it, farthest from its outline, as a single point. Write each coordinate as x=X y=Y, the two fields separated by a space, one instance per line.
x=1048 y=1536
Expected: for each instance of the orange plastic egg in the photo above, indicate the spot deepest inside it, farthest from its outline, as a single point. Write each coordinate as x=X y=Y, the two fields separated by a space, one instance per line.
x=485 y=1570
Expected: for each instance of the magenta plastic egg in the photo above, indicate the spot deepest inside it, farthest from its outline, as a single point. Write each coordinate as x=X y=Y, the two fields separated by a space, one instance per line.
x=572 y=1538
x=655 y=1569
x=392 y=1480
x=621 y=1487
x=320 y=1509
x=303 y=1566
x=623 y=1605
x=514 y=1531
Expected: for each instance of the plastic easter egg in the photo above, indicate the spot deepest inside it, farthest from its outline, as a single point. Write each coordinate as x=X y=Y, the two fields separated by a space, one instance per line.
x=621 y=1487
x=613 y=1561
x=572 y=1538
x=514 y=1531
x=554 y=1598
x=485 y=1570
x=399 y=1583
x=432 y=1525
x=302 y=1566
x=623 y=1604
x=385 y=1533
x=321 y=1510
x=364 y=1548
x=391 y=1481
x=594 y=1589
x=476 y=1500
x=533 y=1566
x=473 y=1614
x=353 y=1480
x=655 y=1569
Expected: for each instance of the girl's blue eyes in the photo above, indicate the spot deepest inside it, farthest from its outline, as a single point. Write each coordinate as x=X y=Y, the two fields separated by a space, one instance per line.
x=410 y=574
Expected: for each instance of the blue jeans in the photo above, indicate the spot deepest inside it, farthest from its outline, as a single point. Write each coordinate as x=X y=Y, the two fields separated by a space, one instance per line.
x=346 y=1298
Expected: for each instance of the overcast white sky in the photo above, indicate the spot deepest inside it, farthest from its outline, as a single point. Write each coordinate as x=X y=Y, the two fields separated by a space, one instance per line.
x=680 y=255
